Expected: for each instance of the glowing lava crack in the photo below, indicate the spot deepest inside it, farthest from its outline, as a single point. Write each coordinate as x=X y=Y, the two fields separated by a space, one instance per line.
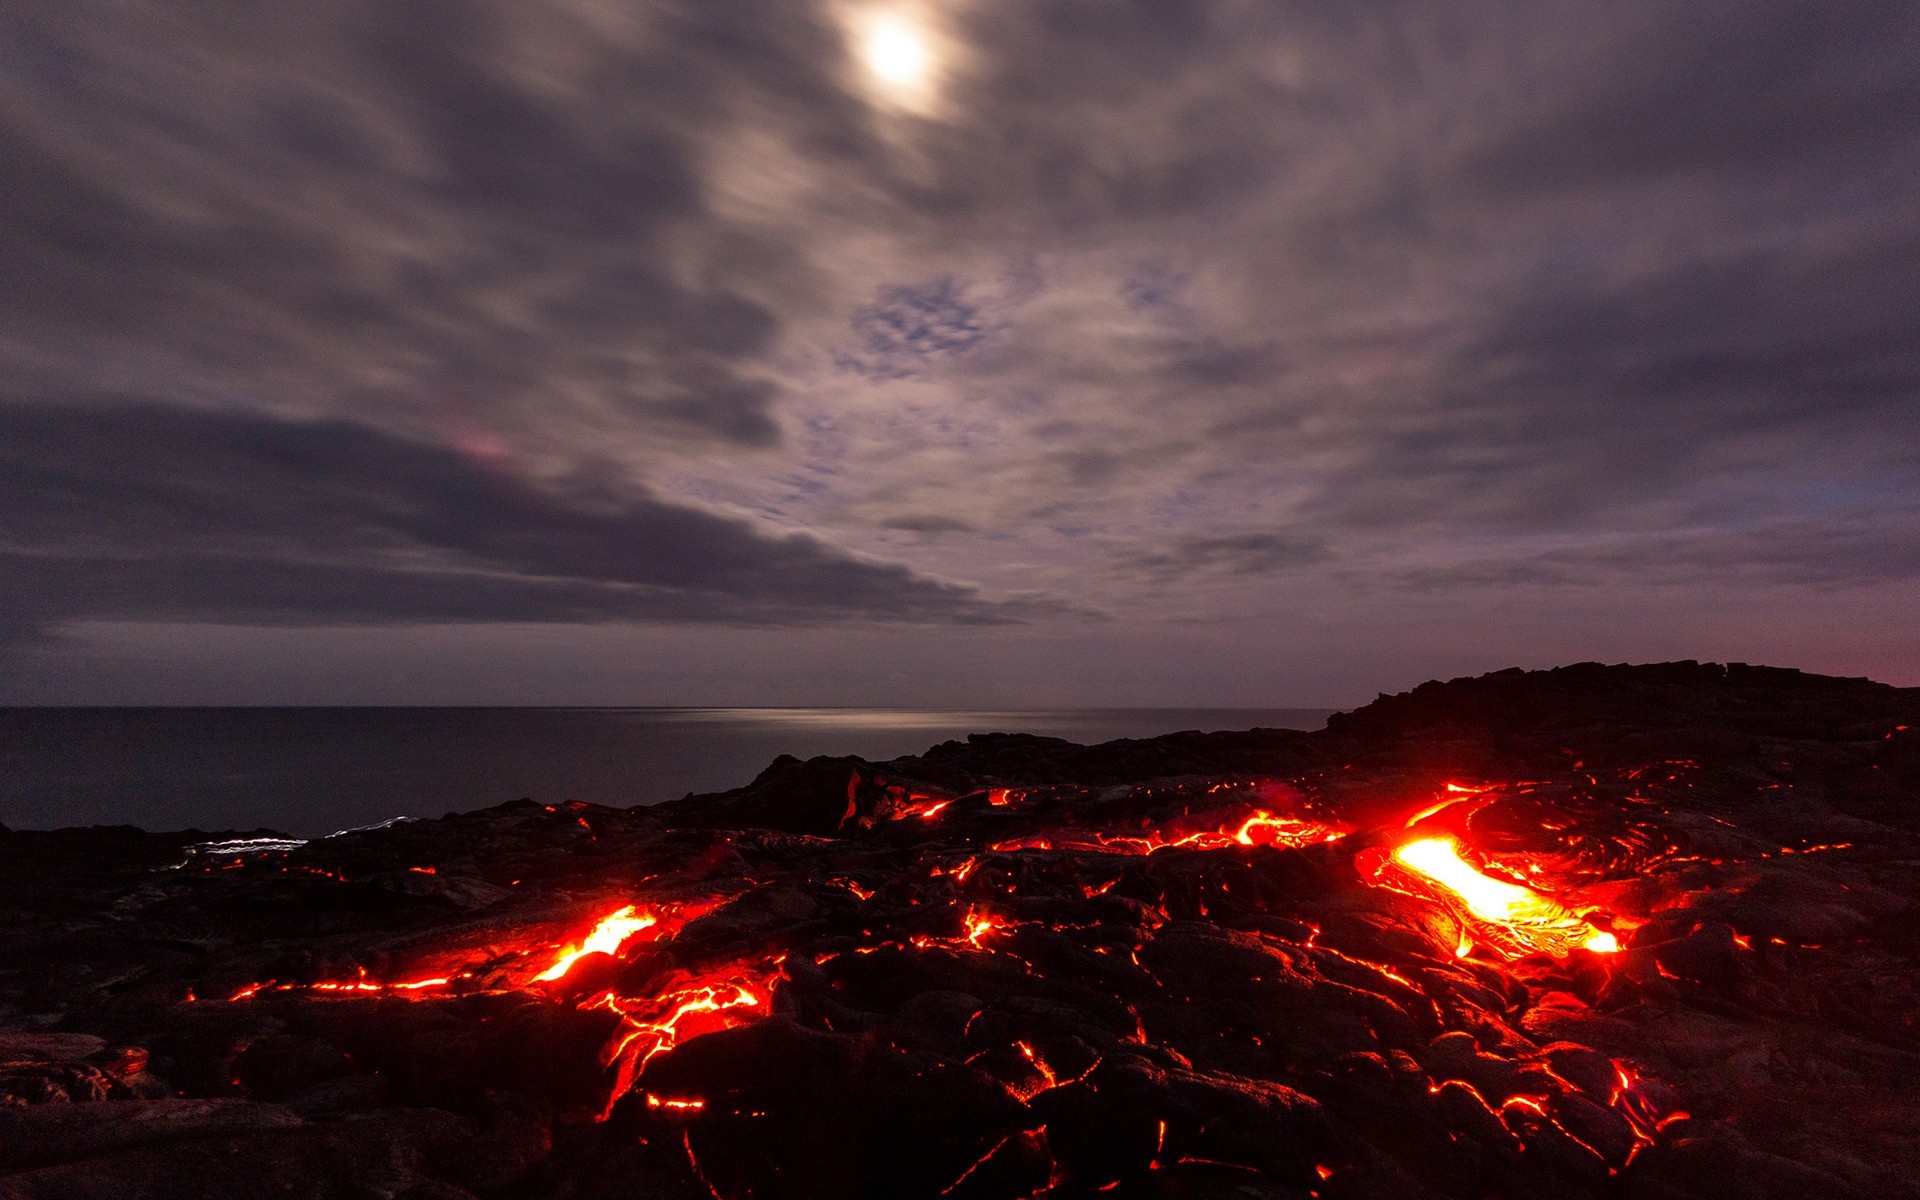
x=1510 y=916
x=1399 y=957
x=1506 y=915
x=607 y=937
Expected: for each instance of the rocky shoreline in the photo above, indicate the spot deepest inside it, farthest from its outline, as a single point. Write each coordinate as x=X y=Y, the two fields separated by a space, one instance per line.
x=1015 y=966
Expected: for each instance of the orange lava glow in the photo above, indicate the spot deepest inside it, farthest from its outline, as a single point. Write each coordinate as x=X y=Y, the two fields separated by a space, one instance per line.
x=1456 y=794
x=682 y=1002
x=1514 y=919
x=1260 y=829
x=979 y=925
x=607 y=938
x=365 y=985
x=1265 y=829
x=652 y=1025
x=1641 y=1114
x=361 y=986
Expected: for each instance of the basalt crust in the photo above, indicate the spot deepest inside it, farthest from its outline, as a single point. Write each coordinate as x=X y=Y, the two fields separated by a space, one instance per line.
x=1637 y=932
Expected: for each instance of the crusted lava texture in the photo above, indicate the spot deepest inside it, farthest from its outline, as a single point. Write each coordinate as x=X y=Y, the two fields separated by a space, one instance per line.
x=1675 y=960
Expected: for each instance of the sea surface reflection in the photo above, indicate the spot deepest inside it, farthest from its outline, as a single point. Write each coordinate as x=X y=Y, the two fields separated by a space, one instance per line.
x=311 y=771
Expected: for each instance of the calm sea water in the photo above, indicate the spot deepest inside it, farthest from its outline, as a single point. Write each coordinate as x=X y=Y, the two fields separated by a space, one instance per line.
x=311 y=771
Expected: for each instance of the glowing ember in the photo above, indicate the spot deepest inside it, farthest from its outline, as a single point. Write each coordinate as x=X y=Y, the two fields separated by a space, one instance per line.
x=1514 y=919
x=607 y=938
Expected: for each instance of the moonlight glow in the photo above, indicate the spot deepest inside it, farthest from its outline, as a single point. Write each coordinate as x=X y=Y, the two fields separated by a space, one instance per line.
x=945 y=353
x=897 y=51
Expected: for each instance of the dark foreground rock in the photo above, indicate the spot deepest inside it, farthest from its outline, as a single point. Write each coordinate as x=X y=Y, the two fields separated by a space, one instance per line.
x=1014 y=966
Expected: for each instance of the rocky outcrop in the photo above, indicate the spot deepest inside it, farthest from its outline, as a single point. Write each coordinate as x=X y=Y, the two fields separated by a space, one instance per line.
x=1014 y=966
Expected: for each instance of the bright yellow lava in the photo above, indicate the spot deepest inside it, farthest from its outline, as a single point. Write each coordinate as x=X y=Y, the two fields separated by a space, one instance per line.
x=1495 y=900
x=606 y=938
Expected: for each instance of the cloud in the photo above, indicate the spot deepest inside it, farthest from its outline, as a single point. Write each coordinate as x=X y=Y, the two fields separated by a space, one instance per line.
x=391 y=223
x=130 y=511
x=1848 y=552
x=907 y=326
x=1280 y=300
x=1234 y=554
x=928 y=523
x=1577 y=404
x=1721 y=86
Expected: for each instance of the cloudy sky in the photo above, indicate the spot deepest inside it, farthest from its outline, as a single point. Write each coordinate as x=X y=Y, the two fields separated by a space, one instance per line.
x=974 y=352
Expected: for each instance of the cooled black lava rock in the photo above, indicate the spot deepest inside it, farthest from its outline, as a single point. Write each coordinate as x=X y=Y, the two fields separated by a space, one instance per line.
x=1014 y=966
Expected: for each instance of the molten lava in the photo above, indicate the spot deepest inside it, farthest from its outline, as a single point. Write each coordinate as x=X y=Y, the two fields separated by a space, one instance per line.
x=1259 y=829
x=652 y=1025
x=607 y=938
x=1506 y=915
x=1514 y=919
x=359 y=986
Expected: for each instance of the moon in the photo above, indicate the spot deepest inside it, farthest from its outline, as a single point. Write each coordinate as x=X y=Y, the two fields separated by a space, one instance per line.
x=899 y=53
x=895 y=52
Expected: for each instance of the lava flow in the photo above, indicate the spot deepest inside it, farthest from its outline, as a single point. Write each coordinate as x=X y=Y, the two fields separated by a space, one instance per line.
x=607 y=937
x=652 y=1025
x=1260 y=829
x=1514 y=919
x=1262 y=964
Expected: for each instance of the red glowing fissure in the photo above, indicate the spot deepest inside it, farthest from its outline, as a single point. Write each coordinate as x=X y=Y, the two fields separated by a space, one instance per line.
x=1260 y=829
x=1506 y=915
x=1502 y=914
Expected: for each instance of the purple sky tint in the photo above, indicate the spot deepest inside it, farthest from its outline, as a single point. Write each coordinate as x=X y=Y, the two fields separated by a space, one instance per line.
x=898 y=352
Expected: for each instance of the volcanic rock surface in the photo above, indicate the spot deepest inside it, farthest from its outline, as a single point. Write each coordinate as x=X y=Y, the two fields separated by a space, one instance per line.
x=1202 y=965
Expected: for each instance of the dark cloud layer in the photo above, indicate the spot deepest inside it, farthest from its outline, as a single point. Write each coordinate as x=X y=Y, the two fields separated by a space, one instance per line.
x=1583 y=400
x=144 y=512
x=1192 y=310
x=1240 y=554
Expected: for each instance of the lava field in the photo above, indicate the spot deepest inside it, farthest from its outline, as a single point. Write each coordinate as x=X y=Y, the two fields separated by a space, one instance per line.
x=1643 y=932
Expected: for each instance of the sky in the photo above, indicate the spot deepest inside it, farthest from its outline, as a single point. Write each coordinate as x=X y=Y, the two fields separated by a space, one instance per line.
x=977 y=353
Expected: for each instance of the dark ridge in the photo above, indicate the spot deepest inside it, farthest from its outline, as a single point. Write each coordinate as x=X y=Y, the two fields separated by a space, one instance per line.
x=1507 y=720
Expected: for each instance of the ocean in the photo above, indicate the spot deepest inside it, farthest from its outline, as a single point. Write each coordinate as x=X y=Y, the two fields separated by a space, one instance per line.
x=314 y=771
